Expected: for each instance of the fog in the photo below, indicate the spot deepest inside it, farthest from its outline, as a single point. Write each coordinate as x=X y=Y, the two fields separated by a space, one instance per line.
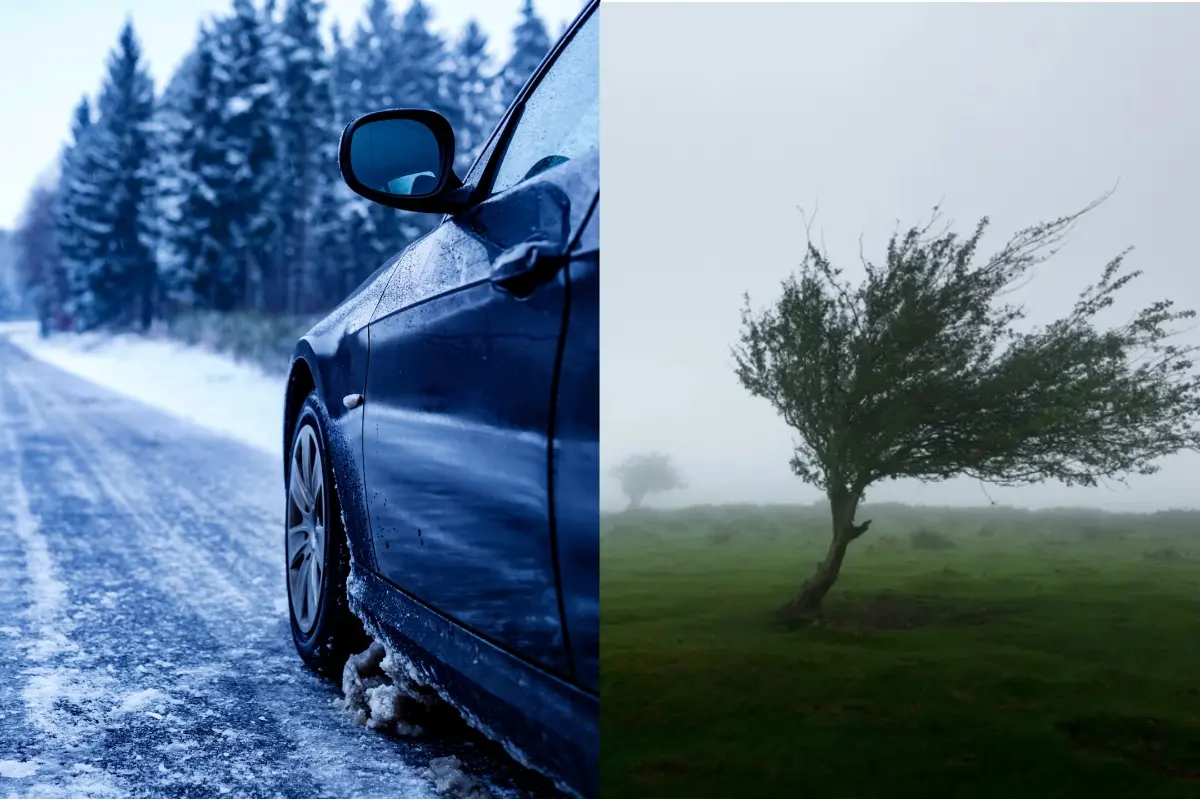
x=720 y=120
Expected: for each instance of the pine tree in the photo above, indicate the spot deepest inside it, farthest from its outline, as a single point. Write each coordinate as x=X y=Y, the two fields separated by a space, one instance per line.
x=199 y=235
x=474 y=86
x=347 y=242
x=531 y=43
x=422 y=69
x=172 y=136
x=270 y=295
x=374 y=62
x=343 y=78
x=11 y=298
x=111 y=261
x=304 y=112
x=78 y=219
x=38 y=267
x=241 y=71
x=422 y=83
x=392 y=63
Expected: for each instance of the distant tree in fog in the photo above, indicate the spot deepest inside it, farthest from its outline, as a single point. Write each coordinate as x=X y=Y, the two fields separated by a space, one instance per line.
x=647 y=473
x=917 y=372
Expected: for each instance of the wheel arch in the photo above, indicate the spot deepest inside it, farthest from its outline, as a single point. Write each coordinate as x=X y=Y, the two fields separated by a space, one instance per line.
x=301 y=382
x=305 y=377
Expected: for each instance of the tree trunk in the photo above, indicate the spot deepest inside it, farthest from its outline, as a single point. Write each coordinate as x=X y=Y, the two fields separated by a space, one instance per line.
x=806 y=605
x=635 y=500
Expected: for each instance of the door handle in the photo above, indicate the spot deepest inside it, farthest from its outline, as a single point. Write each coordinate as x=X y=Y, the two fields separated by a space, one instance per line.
x=520 y=270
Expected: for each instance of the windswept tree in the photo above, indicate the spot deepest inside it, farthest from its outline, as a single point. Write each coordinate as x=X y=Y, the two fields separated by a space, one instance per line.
x=647 y=473
x=918 y=371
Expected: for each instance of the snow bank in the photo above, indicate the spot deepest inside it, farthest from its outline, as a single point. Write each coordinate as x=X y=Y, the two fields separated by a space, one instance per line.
x=17 y=769
x=136 y=701
x=450 y=781
x=380 y=696
x=203 y=387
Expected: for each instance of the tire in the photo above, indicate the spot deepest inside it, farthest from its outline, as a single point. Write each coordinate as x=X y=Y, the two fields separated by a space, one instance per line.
x=324 y=630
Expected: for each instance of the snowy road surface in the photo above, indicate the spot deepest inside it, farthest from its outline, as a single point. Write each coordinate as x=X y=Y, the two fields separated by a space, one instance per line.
x=144 y=644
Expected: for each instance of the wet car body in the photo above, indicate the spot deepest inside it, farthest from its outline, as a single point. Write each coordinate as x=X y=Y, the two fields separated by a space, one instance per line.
x=467 y=466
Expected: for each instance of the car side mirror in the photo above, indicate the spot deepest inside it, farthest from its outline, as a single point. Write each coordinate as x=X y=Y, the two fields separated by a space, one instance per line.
x=402 y=158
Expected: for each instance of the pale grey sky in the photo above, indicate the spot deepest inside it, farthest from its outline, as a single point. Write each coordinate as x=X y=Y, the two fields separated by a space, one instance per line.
x=720 y=119
x=53 y=51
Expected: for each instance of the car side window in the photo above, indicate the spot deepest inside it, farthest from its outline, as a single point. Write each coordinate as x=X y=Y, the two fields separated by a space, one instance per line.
x=561 y=117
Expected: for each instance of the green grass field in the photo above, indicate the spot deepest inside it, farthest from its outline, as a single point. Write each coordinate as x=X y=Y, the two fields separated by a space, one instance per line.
x=1036 y=655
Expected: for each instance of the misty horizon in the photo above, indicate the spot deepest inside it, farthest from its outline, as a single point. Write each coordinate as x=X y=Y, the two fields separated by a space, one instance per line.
x=868 y=116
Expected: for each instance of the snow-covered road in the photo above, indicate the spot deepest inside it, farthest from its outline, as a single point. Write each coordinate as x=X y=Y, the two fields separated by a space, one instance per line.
x=144 y=647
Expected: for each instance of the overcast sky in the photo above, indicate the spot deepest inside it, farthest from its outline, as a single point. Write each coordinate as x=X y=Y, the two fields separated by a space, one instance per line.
x=53 y=51
x=719 y=120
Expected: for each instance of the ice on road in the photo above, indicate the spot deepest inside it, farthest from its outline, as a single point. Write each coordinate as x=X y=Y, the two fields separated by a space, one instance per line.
x=144 y=642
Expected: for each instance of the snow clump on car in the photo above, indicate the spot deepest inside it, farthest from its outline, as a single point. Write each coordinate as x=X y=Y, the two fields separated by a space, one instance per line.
x=380 y=696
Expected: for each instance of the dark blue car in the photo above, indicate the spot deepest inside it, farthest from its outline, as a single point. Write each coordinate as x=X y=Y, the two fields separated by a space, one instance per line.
x=442 y=424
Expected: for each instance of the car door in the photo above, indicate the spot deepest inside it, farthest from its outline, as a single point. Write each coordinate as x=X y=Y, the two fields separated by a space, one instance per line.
x=576 y=460
x=461 y=379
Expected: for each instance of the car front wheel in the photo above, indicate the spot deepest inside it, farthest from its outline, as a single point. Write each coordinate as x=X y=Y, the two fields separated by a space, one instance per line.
x=317 y=554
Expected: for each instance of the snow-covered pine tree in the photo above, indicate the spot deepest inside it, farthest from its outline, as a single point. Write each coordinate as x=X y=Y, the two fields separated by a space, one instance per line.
x=392 y=63
x=424 y=64
x=421 y=83
x=365 y=79
x=198 y=236
x=116 y=268
x=374 y=62
x=473 y=85
x=10 y=298
x=303 y=112
x=242 y=74
x=78 y=220
x=531 y=43
x=270 y=295
x=332 y=219
x=348 y=243
x=171 y=129
x=343 y=78
x=37 y=265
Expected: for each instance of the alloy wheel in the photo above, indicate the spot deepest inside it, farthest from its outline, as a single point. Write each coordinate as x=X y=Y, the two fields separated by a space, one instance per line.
x=306 y=526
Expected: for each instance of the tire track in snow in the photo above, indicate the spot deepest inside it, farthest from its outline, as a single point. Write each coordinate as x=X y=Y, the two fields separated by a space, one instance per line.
x=224 y=706
x=51 y=677
x=168 y=542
